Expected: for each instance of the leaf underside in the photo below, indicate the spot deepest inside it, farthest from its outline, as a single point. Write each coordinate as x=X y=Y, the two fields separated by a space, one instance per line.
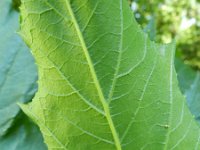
x=102 y=83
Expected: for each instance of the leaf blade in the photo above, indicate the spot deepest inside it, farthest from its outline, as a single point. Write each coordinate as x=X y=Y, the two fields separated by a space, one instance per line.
x=139 y=100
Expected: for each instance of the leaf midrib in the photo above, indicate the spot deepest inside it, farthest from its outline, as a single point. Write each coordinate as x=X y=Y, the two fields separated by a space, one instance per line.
x=94 y=76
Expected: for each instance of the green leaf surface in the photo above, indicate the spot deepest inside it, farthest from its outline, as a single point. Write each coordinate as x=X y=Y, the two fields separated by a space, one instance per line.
x=24 y=135
x=189 y=81
x=18 y=72
x=102 y=83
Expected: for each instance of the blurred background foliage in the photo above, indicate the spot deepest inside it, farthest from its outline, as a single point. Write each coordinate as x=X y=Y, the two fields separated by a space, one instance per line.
x=172 y=19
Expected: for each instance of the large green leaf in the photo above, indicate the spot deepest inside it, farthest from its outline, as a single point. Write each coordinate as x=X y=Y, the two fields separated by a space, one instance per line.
x=189 y=81
x=102 y=83
x=18 y=72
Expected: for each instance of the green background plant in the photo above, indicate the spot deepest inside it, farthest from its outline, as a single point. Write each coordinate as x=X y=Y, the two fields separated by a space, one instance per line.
x=178 y=19
x=18 y=76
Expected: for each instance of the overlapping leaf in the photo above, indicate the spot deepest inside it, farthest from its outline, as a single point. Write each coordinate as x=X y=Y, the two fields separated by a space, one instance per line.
x=189 y=82
x=23 y=135
x=102 y=83
x=18 y=76
x=18 y=72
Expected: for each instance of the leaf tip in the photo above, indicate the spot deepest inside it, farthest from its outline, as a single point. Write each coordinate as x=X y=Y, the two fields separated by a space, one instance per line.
x=22 y=106
x=26 y=109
